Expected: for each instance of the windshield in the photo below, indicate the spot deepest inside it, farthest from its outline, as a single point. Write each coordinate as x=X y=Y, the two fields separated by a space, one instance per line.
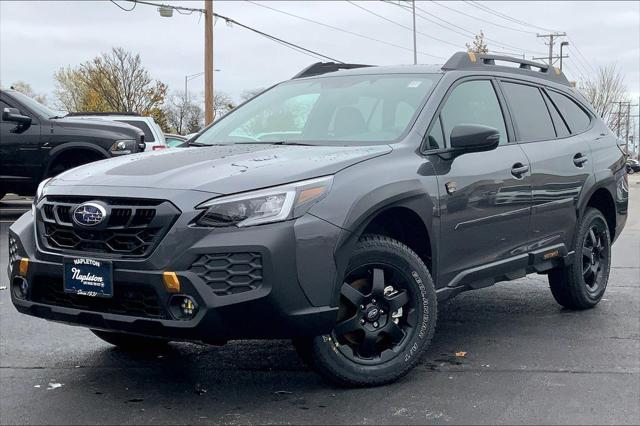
x=33 y=105
x=335 y=110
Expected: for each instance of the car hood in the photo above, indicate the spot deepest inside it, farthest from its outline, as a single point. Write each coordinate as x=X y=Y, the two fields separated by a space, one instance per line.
x=89 y=123
x=220 y=169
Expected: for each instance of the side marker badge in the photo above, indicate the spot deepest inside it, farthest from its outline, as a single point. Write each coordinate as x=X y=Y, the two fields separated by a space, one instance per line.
x=451 y=187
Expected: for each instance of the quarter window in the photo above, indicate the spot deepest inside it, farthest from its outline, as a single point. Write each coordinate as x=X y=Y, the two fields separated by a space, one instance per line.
x=576 y=118
x=562 y=131
x=473 y=102
x=529 y=112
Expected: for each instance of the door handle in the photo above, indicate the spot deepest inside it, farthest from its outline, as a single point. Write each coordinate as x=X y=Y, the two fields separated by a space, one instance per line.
x=579 y=159
x=519 y=169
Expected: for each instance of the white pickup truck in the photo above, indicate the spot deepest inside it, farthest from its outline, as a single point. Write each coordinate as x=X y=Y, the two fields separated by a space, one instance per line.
x=153 y=135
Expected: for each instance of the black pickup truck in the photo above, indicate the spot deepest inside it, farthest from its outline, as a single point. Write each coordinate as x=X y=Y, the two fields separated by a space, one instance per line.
x=36 y=143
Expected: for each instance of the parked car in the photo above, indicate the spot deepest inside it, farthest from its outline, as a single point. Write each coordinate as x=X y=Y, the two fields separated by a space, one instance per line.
x=337 y=209
x=153 y=136
x=174 y=140
x=633 y=166
x=37 y=143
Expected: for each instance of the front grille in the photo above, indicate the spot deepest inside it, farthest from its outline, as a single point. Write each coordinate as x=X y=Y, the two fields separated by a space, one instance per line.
x=133 y=300
x=229 y=273
x=13 y=250
x=133 y=229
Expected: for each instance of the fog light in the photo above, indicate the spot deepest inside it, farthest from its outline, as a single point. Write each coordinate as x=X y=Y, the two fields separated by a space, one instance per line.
x=183 y=307
x=20 y=287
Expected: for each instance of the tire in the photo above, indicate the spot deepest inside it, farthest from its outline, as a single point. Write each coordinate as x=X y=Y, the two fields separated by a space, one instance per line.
x=69 y=162
x=131 y=342
x=582 y=284
x=387 y=317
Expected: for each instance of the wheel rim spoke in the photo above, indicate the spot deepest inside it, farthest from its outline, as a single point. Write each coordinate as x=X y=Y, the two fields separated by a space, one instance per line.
x=378 y=282
x=347 y=326
x=394 y=331
x=397 y=301
x=352 y=295
x=368 y=345
x=586 y=252
x=592 y=237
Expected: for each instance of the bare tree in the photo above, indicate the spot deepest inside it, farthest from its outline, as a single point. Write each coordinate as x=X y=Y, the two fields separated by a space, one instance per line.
x=251 y=93
x=222 y=104
x=478 y=45
x=605 y=92
x=25 y=88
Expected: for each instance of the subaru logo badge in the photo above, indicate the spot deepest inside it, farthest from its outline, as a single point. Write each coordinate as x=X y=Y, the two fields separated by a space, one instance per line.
x=89 y=214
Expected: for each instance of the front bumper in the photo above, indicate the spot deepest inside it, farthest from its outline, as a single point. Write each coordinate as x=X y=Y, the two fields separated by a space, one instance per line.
x=293 y=297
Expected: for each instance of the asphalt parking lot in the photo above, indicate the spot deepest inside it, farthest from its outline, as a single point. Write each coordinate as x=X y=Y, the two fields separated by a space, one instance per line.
x=527 y=361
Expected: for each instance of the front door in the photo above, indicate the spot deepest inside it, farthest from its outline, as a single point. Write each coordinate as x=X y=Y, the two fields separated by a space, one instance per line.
x=484 y=196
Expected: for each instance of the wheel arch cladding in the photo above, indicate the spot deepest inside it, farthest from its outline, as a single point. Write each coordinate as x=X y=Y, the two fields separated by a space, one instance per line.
x=394 y=216
x=602 y=200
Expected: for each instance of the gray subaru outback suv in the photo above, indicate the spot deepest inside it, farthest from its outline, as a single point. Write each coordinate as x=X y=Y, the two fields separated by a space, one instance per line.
x=336 y=209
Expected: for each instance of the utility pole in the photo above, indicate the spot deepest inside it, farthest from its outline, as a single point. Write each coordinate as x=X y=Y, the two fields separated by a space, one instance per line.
x=415 y=48
x=627 y=126
x=551 y=38
x=208 y=62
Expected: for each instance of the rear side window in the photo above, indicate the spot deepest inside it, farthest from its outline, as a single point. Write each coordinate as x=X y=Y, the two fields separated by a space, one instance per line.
x=148 y=134
x=576 y=118
x=473 y=102
x=529 y=112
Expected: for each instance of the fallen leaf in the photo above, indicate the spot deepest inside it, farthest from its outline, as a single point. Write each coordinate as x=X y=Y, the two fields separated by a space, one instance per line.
x=282 y=392
x=36 y=386
x=4 y=287
x=461 y=354
x=54 y=386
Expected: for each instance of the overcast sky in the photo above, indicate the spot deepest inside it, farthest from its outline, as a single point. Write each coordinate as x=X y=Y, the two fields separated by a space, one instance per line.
x=38 y=38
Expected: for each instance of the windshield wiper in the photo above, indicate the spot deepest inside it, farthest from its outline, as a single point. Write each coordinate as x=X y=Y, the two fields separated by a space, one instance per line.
x=272 y=143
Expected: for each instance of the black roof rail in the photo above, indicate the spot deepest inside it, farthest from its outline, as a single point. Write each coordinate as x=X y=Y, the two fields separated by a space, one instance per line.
x=466 y=61
x=105 y=114
x=320 y=68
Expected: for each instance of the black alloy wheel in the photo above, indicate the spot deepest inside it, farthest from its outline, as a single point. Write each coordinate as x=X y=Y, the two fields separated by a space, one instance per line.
x=376 y=314
x=582 y=284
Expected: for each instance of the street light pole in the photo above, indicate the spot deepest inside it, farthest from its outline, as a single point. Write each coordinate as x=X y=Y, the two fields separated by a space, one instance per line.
x=563 y=44
x=415 y=48
x=208 y=62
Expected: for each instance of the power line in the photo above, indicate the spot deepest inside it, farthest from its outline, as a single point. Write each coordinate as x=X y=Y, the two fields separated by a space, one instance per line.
x=126 y=10
x=462 y=31
x=342 y=29
x=580 y=54
x=283 y=42
x=507 y=17
x=402 y=25
x=483 y=20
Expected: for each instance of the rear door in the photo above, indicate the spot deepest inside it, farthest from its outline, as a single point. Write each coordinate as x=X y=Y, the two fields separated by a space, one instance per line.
x=560 y=159
x=484 y=196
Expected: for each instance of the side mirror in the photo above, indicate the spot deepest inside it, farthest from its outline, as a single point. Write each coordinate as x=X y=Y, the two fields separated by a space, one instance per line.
x=474 y=138
x=13 y=114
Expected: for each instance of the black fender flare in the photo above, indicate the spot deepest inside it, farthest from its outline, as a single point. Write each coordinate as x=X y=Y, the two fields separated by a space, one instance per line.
x=55 y=153
x=410 y=195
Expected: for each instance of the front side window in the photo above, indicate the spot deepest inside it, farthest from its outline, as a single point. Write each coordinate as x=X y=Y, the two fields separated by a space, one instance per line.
x=576 y=118
x=473 y=102
x=346 y=110
x=529 y=112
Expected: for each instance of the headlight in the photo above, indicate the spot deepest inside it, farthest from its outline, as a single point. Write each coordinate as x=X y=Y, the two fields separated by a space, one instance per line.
x=266 y=205
x=40 y=190
x=121 y=147
x=39 y=194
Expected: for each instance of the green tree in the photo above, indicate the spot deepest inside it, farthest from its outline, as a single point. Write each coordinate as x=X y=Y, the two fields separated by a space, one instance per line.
x=113 y=81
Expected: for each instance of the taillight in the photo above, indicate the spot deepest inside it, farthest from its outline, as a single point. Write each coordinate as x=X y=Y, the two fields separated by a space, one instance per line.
x=158 y=147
